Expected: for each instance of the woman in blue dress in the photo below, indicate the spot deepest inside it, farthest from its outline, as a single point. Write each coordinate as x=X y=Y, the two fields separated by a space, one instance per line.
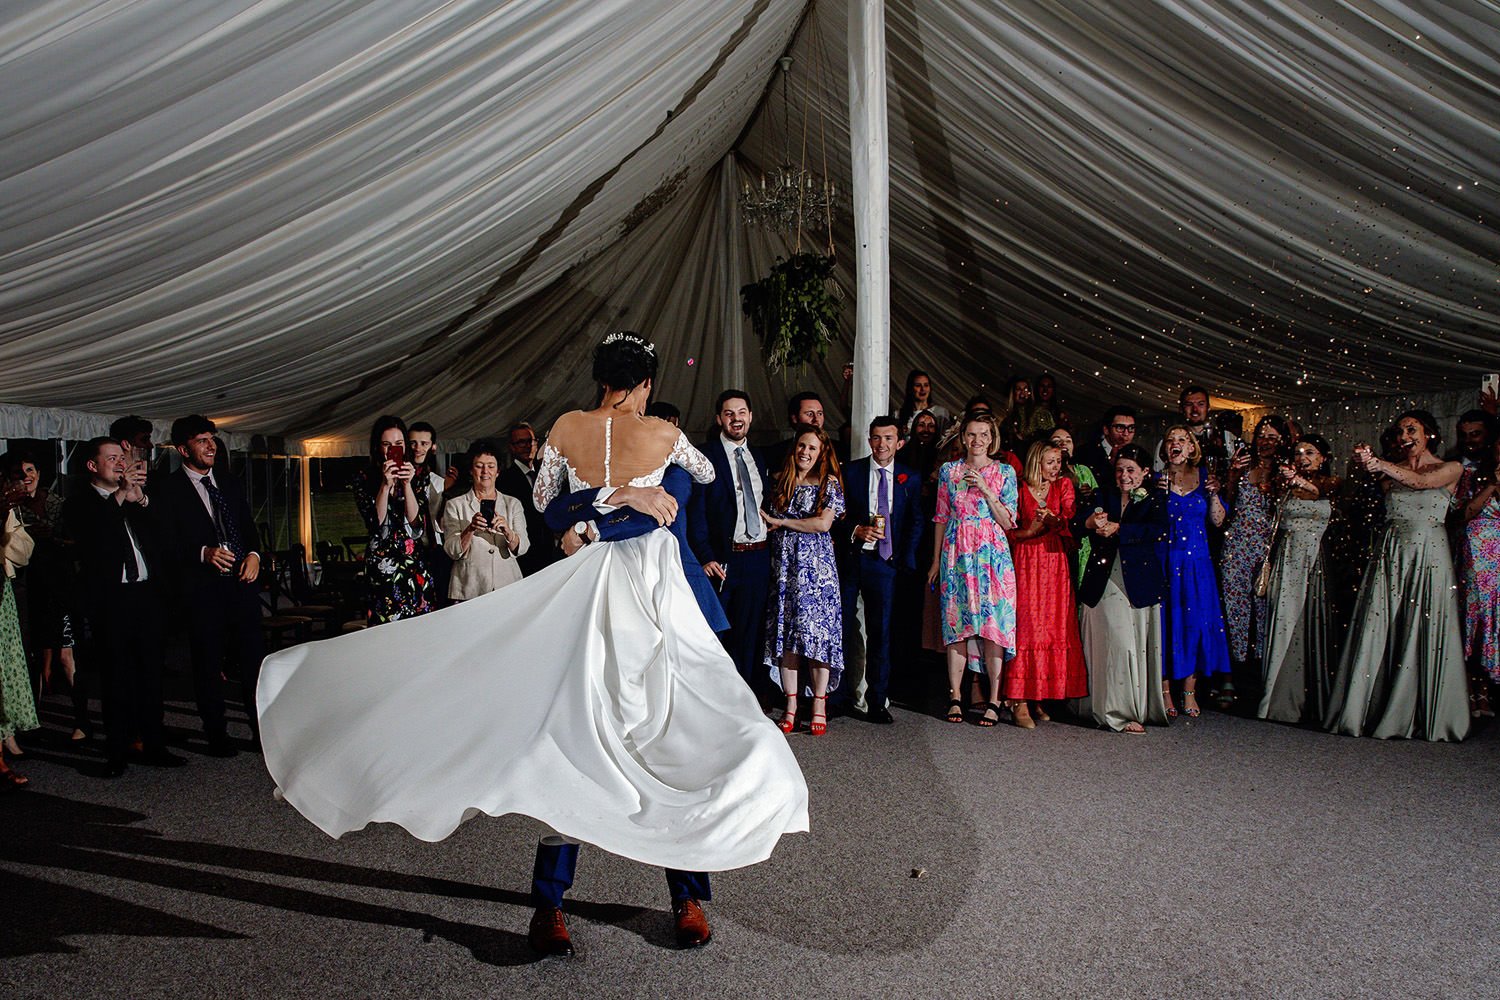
x=804 y=623
x=1192 y=615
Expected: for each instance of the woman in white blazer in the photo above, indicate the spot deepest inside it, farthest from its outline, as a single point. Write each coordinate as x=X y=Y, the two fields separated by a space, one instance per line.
x=484 y=550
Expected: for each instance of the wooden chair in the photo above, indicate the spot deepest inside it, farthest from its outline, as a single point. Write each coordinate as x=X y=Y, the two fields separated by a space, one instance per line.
x=290 y=583
x=281 y=628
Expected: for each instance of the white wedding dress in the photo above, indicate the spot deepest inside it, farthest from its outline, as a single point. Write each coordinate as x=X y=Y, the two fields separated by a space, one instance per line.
x=592 y=696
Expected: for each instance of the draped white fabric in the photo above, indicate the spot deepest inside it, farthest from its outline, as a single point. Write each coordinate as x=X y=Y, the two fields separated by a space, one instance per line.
x=295 y=216
x=870 y=157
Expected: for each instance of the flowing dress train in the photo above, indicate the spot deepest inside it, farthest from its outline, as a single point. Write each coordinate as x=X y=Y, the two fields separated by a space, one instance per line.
x=592 y=696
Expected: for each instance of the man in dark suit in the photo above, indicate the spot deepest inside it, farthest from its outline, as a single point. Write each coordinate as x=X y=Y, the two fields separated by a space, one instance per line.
x=215 y=550
x=871 y=559
x=121 y=560
x=1117 y=429
x=518 y=479
x=728 y=536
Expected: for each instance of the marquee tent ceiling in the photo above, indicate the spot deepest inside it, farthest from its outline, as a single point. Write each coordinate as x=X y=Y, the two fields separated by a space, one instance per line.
x=294 y=216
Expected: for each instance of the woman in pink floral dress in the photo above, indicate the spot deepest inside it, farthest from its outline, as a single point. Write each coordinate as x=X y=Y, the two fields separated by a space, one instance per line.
x=971 y=566
x=1482 y=583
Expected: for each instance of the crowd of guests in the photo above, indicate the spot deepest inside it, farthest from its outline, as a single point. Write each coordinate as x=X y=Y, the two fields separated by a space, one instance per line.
x=91 y=582
x=1091 y=576
x=1094 y=577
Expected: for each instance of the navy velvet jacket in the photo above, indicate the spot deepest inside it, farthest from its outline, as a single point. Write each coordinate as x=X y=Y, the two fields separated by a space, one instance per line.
x=1140 y=545
x=567 y=510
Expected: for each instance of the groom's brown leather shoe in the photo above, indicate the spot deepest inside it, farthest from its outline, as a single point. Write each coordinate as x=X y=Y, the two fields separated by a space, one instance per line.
x=692 y=925
x=548 y=934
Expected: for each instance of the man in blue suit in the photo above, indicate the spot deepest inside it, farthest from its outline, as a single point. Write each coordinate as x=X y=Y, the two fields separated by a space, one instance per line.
x=728 y=537
x=871 y=560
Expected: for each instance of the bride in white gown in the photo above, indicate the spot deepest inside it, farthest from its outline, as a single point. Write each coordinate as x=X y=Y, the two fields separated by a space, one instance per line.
x=592 y=696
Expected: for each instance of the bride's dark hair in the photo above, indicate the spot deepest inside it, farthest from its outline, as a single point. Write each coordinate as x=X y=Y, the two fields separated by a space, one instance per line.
x=624 y=361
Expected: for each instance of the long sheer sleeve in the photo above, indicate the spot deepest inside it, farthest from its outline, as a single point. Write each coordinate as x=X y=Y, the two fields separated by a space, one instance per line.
x=551 y=474
x=694 y=461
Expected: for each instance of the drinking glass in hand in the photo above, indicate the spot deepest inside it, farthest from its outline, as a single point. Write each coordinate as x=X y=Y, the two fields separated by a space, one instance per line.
x=225 y=547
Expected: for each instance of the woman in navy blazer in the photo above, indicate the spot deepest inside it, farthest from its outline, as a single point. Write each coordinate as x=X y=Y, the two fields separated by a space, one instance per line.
x=1120 y=597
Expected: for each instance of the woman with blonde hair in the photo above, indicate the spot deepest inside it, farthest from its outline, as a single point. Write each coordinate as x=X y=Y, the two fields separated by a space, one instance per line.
x=1049 y=664
x=1192 y=615
x=804 y=623
x=971 y=564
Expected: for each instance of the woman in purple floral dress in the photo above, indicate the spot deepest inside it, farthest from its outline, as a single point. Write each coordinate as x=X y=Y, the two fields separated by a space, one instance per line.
x=392 y=500
x=971 y=565
x=805 y=622
x=1482 y=584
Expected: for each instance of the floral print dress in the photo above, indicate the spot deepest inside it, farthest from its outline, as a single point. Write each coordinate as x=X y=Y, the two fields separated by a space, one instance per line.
x=976 y=579
x=1245 y=547
x=397 y=582
x=17 y=707
x=1482 y=589
x=805 y=615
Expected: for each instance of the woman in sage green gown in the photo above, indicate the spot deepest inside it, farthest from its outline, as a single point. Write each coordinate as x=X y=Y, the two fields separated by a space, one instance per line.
x=1298 y=661
x=1402 y=673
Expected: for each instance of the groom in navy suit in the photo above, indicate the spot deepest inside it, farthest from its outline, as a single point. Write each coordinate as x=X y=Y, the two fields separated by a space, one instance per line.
x=556 y=862
x=870 y=559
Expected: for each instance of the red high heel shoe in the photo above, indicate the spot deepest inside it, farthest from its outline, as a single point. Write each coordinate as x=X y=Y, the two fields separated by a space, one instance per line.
x=816 y=727
x=788 y=717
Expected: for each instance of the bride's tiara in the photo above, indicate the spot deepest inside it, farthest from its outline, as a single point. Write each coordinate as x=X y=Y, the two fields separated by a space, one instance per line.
x=631 y=338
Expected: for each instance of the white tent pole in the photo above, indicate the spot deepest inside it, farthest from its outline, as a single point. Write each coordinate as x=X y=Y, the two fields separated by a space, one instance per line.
x=732 y=342
x=870 y=157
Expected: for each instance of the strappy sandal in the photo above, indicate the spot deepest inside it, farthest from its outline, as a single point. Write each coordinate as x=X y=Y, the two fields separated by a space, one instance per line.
x=1166 y=697
x=955 y=711
x=1194 y=711
x=984 y=723
x=788 y=718
x=815 y=727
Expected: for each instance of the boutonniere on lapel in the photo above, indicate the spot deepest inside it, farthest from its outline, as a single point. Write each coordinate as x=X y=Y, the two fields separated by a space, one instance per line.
x=1138 y=494
x=900 y=478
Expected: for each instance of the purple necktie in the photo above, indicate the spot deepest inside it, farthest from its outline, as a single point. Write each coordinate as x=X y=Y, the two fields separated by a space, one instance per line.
x=883 y=507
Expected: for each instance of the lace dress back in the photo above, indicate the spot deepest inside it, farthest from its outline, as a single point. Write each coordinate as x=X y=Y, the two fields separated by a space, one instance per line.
x=588 y=452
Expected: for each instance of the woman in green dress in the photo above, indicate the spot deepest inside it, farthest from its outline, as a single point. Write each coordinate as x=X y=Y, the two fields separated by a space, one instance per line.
x=1298 y=661
x=1085 y=493
x=1402 y=672
x=17 y=708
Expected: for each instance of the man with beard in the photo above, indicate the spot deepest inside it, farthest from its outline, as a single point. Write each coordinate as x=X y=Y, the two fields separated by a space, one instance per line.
x=1217 y=445
x=728 y=536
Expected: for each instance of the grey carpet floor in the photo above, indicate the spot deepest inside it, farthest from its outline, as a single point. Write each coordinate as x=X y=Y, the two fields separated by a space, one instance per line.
x=1220 y=857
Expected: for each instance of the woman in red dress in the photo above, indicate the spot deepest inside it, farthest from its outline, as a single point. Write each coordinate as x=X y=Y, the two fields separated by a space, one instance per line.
x=1049 y=664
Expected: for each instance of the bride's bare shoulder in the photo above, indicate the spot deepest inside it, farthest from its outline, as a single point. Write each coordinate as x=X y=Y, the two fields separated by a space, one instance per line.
x=569 y=423
x=661 y=430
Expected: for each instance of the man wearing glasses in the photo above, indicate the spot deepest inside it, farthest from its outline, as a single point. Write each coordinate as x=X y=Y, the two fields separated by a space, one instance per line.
x=1117 y=429
x=518 y=479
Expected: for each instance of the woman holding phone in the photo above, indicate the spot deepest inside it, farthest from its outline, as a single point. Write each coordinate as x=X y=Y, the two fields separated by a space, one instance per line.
x=393 y=503
x=484 y=531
